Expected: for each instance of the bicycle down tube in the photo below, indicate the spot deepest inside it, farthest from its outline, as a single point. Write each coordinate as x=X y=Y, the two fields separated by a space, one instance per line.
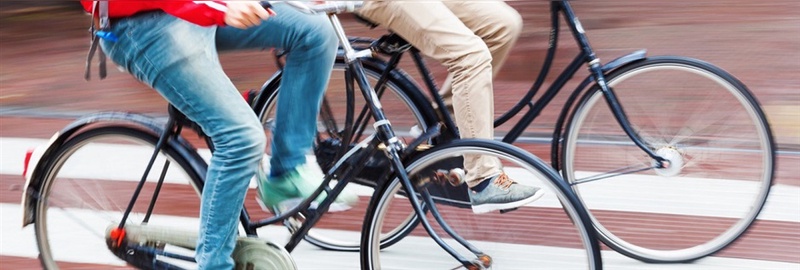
x=393 y=146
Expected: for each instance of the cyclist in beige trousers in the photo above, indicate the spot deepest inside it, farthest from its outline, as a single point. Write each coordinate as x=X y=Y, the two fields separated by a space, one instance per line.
x=472 y=40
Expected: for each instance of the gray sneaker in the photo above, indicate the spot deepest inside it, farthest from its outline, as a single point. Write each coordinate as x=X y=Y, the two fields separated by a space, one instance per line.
x=502 y=193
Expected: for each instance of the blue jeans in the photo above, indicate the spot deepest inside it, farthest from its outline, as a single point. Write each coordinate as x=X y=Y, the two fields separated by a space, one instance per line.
x=179 y=60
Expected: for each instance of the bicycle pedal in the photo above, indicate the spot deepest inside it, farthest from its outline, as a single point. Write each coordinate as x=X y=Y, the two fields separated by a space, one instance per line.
x=456 y=177
x=293 y=223
x=423 y=147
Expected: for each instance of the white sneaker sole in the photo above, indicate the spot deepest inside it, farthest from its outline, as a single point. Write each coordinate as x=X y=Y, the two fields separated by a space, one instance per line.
x=292 y=203
x=489 y=207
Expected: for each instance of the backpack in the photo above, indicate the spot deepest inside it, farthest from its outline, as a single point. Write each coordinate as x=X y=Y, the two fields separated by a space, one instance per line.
x=98 y=30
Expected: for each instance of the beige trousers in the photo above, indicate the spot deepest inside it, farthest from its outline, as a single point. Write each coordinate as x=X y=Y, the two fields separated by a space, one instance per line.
x=471 y=39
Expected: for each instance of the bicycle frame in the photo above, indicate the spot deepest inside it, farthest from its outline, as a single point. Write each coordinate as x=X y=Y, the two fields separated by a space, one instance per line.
x=586 y=55
x=393 y=147
x=383 y=139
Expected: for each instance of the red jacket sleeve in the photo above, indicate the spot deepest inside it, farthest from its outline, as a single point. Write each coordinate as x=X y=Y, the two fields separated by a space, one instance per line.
x=205 y=13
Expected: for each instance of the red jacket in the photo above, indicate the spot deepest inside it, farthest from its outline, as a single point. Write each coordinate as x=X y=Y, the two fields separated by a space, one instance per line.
x=205 y=13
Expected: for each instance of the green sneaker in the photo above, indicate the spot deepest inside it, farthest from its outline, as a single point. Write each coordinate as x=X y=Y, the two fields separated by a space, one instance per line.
x=290 y=189
x=502 y=193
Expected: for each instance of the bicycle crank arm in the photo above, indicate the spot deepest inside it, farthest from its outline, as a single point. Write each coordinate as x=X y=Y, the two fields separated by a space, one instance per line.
x=417 y=144
x=454 y=177
x=143 y=246
x=148 y=235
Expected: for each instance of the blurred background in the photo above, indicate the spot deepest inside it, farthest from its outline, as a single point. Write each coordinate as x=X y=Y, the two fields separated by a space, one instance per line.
x=43 y=46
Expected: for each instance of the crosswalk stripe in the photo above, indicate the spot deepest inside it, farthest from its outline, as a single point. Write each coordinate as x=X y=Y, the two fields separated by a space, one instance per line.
x=613 y=196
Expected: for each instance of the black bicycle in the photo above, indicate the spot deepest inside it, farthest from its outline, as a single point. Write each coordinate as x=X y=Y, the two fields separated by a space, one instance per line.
x=672 y=156
x=121 y=188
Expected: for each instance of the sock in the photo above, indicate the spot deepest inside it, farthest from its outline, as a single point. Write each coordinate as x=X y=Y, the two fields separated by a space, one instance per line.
x=485 y=183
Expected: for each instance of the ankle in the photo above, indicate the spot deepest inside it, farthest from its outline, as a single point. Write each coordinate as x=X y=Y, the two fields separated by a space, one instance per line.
x=279 y=175
x=483 y=184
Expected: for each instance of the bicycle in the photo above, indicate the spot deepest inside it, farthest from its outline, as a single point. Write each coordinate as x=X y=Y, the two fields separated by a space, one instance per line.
x=672 y=156
x=138 y=209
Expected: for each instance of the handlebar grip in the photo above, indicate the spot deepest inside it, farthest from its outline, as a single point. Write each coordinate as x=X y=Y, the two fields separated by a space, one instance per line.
x=340 y=6
x=328 y=7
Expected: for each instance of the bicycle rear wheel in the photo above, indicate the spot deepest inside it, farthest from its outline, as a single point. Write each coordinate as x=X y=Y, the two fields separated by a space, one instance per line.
x=401 y=104
x=710 y=128
x=87 y=186
x=552 y=233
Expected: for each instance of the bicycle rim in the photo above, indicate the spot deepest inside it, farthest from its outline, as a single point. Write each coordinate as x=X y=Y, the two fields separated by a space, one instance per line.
x=341 y=230
x=88 y=186
x=716 y=137
x=541 y=234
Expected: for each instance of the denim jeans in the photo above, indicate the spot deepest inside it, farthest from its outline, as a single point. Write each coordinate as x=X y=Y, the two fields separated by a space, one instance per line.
x=179 y=60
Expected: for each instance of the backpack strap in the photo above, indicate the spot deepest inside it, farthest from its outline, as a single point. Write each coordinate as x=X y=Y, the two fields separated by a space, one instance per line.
x=98 y=29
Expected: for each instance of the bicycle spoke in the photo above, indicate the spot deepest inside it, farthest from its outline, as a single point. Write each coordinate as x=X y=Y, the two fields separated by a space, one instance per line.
x=614 y=173
x=717 y=147
x=88 y=190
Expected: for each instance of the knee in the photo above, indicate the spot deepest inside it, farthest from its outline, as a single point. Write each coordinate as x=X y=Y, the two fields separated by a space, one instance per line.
x=251 y=142
x=255 y=133
x=512 y=23
x=477 y=57
x=509 y=27
x=318 y=35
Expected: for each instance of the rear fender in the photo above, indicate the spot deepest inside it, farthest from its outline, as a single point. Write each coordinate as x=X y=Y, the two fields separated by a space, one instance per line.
x=38 y=159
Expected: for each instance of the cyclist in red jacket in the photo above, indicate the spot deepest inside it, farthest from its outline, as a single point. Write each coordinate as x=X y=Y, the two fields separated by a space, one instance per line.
x=205 y=13
x=172 y=46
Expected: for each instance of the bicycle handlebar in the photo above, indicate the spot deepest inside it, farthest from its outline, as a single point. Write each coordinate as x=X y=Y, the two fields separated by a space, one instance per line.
x=327 y=7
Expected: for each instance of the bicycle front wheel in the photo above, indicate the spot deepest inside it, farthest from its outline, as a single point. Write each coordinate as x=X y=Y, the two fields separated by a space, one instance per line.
x=89 y=183
x=402 y=103
x=553 y=232
x=717 y=141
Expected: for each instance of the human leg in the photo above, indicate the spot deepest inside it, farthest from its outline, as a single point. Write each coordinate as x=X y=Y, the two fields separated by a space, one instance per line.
x=499 y=26
x=311 y=46
x=179 y=60
x=437 y=32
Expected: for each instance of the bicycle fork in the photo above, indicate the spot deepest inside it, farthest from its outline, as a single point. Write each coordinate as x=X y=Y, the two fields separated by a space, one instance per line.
x=621 y=117
x=483 y=261
x=394 y=148
x=596 y=71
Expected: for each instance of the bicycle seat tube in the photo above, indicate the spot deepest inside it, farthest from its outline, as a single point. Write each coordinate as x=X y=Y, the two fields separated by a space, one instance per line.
x=393 y=146
x=381 y=125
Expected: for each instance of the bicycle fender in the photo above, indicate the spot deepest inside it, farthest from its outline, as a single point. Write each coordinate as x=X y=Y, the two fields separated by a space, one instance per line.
x=624 y=60
x=41 y=157
x=607 y=68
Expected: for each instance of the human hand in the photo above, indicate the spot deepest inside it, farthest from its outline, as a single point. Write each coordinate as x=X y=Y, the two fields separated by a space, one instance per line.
x=245 y=14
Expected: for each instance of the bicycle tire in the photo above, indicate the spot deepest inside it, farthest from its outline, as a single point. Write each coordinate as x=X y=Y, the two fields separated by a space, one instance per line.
x=707 y=124
x=405 y=107
x=554 y=232
x=86 y=187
